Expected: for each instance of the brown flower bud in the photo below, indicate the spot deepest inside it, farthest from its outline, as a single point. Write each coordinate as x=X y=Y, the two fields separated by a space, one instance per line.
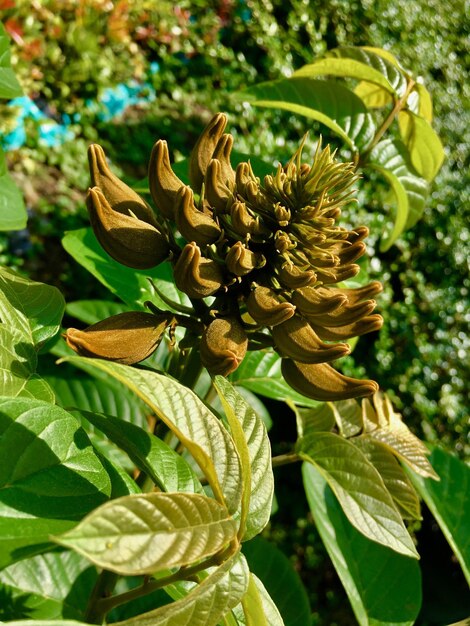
x=197 y=276
x=163 y=182
x=337 y=274
x=119 y=196
x=241 y=261
x=322 y=382
x=343 y=315
x=363 y=326
x=292 y=278
x=297 y=340
x=193 y=224
x=124 y=338
x=223 y=346
x=216 y=191
x=318 y=300
x=357 y=295
x=266 y=308
x=243 y=221
x=222 y=154
x=128 y=240
x=204 y=149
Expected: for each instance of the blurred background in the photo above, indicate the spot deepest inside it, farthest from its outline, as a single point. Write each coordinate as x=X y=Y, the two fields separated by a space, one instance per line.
x=125 y=73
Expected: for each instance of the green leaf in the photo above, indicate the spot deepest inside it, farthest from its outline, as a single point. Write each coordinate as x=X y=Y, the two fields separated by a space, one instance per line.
x=13 y=214
x=384 y=587
x=260 y=372
x=348 y=417
x=251 y=439
x=424 y=107
x=190 y=420
x=150 y=454
x=326 y=101
x=394 y=477
x=281 y=581
x=390 y=158
x=131 y=286
x=359 y=488
x=151 y=532
x=257 y=607
x=359 y=63
x=9 y=85
x=205 y=604
x=372 y=95
x=55 y=475
x=37 y=387
x=49 y=586
x=425 y=147
x=310 y=420
x=32 y=308
x=449 y=502
x=47 y=622
x=92 y=311
x=17 y=362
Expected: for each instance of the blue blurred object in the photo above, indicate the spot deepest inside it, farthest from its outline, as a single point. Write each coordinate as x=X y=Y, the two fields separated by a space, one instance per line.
x=111 y=104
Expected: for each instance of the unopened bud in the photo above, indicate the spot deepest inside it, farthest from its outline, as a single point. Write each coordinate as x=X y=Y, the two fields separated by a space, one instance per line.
x=223 y=346
x=204 y=149
x=197 y=276
x=192 y=223
x=163 y=182
x=241 y=261
x=266 y=308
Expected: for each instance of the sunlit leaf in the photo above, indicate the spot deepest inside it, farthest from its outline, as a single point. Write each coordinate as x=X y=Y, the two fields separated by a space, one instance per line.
x=359 y=488
x=9 y=85
x=257 y=607
x=206 y=603
x=390 y=158
x=348 y=417
x=325 y=101
x=423 y=143
x=147 y=533
x=384 y=587
x=50 y=586
x=251 y=439
x=13 y=214
x=373 y=96
x=55 y=475
x=310 y=420
x=449 y=501
x=191 y=421
x=359 y=63
x=92 y=311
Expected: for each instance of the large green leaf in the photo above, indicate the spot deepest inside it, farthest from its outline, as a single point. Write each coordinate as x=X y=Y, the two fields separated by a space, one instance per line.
x=151 y=532
x=359 y=488
x=48 y=586
x=56 y=475
x=13 y=214
x=251 y=438
x=164 y=466
x=191 y=421
x=358 y=63
x=18 y=361
x=449 y=501
x=281 y=581
x=326 y=101
x=9 y=85
x=390 y=158
x=257 y=607
x=423 y=143
x=32 y=308
x=384 y=587
x=92 y=311
x=206 y=603
x=260 y=372
x=131 y=286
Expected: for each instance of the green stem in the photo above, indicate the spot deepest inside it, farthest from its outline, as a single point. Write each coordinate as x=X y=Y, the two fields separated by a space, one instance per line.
x=103 y=587
x=284 y=459
x=104 y=605
x=399 y=104
x=192 y=368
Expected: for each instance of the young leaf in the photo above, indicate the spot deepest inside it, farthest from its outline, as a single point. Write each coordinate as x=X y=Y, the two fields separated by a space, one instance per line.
x=389 y=157
x=359 y=63
x=423 y=143
x=384 y=587
x=56 y=476
x=50 y=586
x=251 y=439
x=449 y=502
x=191 y=421
x=260 y=372
x=151 y=532
x=373 y=96
x=359 y=489
x=326 y=101
x=394 y=477
x=348 y=417
x=320 y=419
x=131 y=286
x=13 y=214
x=32 y=308
x=150 y=454
x=205 y=604
x=280 y=580
x=257 y=607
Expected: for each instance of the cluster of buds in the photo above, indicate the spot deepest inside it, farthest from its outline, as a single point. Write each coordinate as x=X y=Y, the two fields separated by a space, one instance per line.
x=269 y=255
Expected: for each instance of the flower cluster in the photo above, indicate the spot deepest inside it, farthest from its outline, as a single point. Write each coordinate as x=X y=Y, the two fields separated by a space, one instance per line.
x=269 y=255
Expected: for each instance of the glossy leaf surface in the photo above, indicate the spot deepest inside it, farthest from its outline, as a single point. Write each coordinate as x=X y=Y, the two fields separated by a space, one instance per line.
x=423 y=143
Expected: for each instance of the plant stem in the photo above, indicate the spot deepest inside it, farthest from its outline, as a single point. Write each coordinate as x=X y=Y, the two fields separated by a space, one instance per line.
x=284 y=459
x=104 y=605
x=103 y=587
x=192 y=369
x=399 y=104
